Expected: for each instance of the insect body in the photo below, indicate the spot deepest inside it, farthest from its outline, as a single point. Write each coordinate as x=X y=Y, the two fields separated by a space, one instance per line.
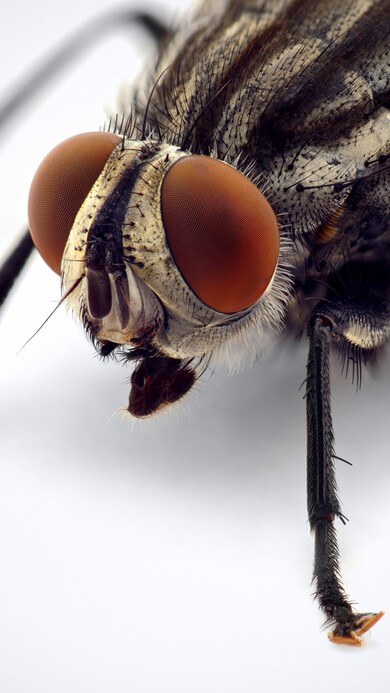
x=244 y=191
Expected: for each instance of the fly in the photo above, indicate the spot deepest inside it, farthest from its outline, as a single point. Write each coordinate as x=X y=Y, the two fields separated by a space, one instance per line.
x=242 y=191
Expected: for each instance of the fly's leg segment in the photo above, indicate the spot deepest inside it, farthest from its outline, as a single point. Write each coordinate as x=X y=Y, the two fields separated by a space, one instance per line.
x=72 y=48
x=333 y=321
x=14 y=264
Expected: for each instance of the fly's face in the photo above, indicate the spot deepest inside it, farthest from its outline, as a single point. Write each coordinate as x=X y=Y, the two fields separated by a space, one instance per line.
x=170 y=256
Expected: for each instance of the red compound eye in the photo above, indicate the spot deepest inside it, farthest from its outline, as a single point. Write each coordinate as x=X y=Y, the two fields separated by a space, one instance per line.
x=222 y=232
x=59 y=188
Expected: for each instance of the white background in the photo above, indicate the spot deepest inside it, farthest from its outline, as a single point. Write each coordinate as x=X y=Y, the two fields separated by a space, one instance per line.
x=172 y=554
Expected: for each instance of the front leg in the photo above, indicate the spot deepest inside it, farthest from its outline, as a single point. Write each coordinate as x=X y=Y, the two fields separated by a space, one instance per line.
x=323 y=502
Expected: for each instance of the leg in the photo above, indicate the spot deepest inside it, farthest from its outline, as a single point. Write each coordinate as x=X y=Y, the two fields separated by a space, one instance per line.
x=14 y=264
x=72 y=47
x=323 y=503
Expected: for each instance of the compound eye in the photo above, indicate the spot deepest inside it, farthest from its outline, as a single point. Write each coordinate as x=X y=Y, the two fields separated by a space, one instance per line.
x=59 y=188
x=221 y=231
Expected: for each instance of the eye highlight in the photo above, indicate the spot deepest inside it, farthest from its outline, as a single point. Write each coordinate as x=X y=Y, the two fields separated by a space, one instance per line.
x=221 y=230
x=60 y=186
